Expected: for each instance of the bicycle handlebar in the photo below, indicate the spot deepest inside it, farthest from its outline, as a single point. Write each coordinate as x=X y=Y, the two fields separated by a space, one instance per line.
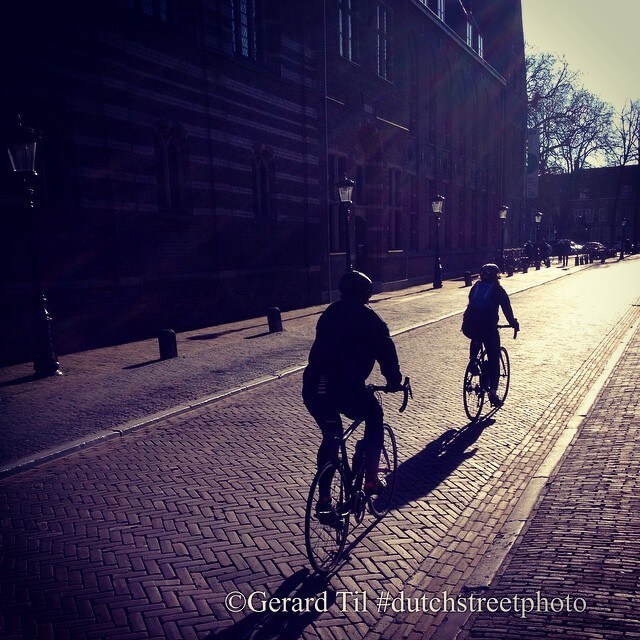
x=507 y=326
x=405 y=388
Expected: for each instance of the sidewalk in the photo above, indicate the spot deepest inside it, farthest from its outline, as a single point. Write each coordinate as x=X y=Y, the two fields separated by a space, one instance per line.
x=577 y=565
x=106 y=392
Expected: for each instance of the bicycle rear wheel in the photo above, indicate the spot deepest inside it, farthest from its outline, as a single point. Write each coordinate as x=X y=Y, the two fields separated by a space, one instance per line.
x=379 y=505
x=472 y=391
x=325 y=534
x=505 y=375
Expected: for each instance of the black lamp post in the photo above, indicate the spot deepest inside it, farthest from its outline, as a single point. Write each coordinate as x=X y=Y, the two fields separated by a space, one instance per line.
x=437 y=203
x=623 y=222
x=538 y=218
x=21 y=144
x=345 y=191
x=502 y=212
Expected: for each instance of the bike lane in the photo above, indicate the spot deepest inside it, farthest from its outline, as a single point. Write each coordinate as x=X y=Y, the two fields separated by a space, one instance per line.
x=149 y=536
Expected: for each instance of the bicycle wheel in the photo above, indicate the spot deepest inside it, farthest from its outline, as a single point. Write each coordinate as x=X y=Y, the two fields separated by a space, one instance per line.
x=505 y=375
x=472 y=391
x=379 y=505
x=325 y=534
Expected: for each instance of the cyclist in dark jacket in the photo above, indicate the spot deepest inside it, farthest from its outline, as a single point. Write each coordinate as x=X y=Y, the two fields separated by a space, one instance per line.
x=480 y=322
x=350 y=339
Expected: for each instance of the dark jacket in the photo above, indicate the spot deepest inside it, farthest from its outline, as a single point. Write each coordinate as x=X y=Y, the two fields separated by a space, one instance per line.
x=481 y=314
x=350 y=339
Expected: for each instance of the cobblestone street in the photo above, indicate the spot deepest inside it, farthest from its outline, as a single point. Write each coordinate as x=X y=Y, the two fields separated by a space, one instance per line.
x=147 y=535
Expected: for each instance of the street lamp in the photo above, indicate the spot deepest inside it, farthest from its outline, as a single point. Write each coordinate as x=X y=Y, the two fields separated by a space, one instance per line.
x=502 y=213
x=436 y=206
x=623 y=222
x=21 y=144
x=538 y=218
x=345 y=191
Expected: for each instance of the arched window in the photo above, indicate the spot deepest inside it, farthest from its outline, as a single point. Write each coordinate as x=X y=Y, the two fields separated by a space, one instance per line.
x=262 y=170
x=170 y=158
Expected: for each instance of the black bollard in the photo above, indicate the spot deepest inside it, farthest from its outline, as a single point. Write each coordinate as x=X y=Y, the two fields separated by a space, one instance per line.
x=467 y=278
x=577 y=263
x=509 y=270
x=167 y=344
x=274 y=319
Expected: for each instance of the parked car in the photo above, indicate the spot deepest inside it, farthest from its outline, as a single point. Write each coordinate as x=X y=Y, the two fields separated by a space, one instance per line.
x=574 y=247
x=597 y=250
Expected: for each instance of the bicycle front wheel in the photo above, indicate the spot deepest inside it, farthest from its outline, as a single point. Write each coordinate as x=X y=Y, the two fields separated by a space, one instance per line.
x=472 y=391
x=380 y=504
x=505 y=375
x=325 y=530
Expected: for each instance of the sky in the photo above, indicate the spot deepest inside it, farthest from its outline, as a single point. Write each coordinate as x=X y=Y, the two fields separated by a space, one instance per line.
x=598 y=38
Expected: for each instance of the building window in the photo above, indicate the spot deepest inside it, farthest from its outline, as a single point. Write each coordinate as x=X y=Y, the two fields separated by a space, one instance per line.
x=437 y=6
x=347 y=29
x=158 y=9
x=170 y=158
x=384 y=48
x=414 y=221
x=262 y=173
x=480 y=46
x=336 y=170
x=245 y=23
x=395 y=210
x=469 y=35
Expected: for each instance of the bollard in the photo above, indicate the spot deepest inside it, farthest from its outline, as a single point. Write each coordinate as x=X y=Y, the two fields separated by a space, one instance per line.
x=525 y=267
x=509 y=270
x=167 y=344
x=577 y=261
x=274 y=319
x=602 y=259
x=467 y=278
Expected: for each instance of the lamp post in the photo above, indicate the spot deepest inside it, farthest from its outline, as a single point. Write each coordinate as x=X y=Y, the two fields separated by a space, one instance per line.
x=623 y=222
x=21 y=144
x=437 y=203
x=538 y=219
x=502 y=213
x=345 y=191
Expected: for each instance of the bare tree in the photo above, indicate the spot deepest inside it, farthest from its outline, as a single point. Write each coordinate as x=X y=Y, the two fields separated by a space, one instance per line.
x=574 y=124
x=624 y=145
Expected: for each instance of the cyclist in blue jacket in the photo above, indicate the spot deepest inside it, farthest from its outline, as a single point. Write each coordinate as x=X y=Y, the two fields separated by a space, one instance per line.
x=350 y=338
x=480 y=322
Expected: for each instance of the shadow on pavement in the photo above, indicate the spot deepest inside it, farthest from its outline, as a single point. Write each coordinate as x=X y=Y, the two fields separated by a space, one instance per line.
x=269 y=625
x=420 y=475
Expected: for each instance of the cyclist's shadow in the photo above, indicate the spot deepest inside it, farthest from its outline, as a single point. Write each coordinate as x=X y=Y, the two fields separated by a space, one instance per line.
x=269 y=625
x=421 y=474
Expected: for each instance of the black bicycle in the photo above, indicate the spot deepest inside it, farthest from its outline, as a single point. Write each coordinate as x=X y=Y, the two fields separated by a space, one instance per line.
x=475 y=386
x=325 y=532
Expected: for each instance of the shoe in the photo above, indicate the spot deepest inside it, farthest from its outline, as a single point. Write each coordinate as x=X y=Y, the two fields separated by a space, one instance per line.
x=494 y=400
x=375 y=488
x=324 y=507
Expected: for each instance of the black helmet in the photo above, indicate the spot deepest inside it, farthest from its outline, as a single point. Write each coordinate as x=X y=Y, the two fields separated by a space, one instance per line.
x=355 y=285
x=489 y=273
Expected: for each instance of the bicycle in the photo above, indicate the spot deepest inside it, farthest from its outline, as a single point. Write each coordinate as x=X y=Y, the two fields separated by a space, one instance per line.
x=326 y=533
x=475 y=386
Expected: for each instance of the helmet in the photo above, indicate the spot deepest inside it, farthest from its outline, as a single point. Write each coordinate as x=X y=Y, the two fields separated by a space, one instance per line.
x=355 y=285
x=489 y=273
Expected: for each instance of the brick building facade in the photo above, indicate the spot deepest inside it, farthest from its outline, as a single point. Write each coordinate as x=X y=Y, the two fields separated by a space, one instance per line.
x=592 y=205
x=190 y=150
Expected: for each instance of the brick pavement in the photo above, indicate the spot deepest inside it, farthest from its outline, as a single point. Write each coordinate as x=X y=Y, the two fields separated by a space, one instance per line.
x=144 y=536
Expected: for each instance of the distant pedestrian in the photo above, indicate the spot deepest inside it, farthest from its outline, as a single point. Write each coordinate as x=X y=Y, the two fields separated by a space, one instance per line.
x=544 y=251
